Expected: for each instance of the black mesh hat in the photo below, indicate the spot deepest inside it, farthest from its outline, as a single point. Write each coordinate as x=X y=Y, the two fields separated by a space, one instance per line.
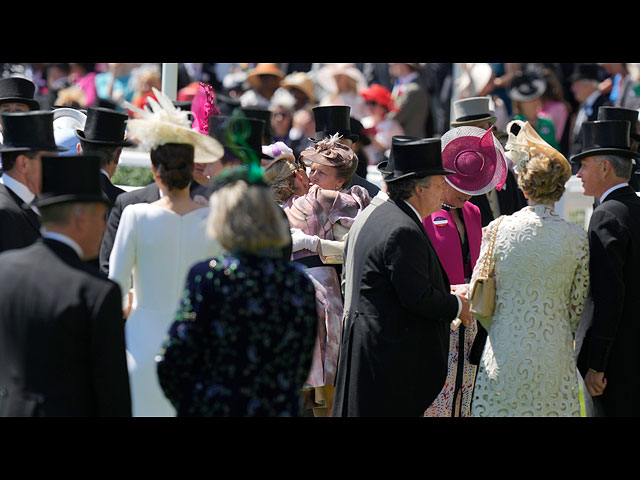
x=29 y=131
x=71 y=178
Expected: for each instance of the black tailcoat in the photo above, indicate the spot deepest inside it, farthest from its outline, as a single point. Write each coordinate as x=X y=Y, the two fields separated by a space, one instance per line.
x=613 y=304
x=393 y=357
x=109 y=188
x=19 y=227
x=62 y=346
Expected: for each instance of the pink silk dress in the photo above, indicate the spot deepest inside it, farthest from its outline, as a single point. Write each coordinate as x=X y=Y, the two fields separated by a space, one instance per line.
x=315 y=214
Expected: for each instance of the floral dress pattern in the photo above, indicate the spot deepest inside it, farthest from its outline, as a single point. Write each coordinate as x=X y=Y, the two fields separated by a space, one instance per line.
x=242 y=340
x=528 y=365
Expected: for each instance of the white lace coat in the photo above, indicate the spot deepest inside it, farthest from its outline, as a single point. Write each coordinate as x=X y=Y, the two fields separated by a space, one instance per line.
x=542 y=278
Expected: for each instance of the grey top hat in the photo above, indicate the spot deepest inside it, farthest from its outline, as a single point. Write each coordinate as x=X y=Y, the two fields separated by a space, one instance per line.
x=472 y=110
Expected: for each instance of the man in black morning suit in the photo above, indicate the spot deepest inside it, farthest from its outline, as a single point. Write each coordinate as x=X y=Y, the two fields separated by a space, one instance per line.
x=27 y=135
x=104 y=134
x=62 y=345
x=608 y=355
x=393 y=354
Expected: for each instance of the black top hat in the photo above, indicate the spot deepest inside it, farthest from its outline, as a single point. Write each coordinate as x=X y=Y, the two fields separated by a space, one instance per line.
x=332 y=119
x=385 y=167
x=603 y=137
x=415 y=157
x=260 y=114
x=29 y=131
x=18 y=90
x=619 y=113
x=104 y=126
x=526 y=86
x=248 y=131
x=586 y=71
x=71 y=178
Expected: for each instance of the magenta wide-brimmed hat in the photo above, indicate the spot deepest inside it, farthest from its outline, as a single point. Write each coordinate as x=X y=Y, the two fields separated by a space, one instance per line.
x=477 y=157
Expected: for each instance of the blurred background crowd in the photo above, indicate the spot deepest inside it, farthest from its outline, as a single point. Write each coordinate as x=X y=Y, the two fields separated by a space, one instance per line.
x=386 y=99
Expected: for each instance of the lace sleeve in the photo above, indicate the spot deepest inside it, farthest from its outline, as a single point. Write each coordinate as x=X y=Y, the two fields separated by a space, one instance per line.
x=580 y=286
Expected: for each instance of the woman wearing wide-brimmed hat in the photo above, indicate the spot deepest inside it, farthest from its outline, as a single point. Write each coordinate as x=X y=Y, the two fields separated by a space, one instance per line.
x=455 y=231
x=156 y=243
x=527 y=99
x=528 y=365
x=342 y=83
x=264 y=79
x=379 y=127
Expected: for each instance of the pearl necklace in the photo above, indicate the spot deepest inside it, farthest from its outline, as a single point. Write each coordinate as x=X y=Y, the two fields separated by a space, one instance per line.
x=450 y=207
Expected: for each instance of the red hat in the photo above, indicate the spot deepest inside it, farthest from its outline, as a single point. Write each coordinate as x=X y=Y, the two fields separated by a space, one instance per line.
x=379 y=94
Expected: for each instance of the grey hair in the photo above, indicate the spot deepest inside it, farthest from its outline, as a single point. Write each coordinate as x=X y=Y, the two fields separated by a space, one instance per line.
x=61 y=214
x=622 y=166
x=403 y=189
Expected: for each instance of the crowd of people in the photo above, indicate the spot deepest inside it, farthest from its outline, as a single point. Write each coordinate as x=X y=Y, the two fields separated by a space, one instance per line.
x=263 y=274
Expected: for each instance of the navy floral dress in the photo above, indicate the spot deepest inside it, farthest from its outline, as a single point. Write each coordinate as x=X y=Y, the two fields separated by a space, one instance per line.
x=242 y=340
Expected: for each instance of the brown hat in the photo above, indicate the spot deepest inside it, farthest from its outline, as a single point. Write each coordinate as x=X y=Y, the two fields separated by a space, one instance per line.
x=264 y=69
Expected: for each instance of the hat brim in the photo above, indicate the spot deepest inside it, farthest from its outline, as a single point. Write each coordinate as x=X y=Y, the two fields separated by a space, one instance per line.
x=489 y=118
x=604 y=151
x=321 y=136
x=36 y=148
x=33 y=104
x=48 y=200
x=115 y=143
x=396 y=175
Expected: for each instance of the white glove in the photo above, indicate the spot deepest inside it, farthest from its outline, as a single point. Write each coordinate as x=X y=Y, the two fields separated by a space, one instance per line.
x=302 y=241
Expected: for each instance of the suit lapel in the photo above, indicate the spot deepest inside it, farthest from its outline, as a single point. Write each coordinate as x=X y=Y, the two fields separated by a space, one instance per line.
x=30 y=216
x=407 y=210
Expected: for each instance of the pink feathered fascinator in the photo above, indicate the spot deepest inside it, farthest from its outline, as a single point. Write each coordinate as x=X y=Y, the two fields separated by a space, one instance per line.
x=203 y=106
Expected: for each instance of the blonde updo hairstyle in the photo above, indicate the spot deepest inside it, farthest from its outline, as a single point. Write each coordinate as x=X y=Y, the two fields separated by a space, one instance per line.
x=543 y=178
x=245 y=217
x=279 y=175
x=542 y=170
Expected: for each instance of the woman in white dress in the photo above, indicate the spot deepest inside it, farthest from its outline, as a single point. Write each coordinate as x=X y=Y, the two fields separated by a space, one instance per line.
x=155 y=246
x=541 y=265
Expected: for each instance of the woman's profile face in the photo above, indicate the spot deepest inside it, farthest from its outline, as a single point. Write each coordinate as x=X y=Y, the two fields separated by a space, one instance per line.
x=325 y=177
x=453 y=197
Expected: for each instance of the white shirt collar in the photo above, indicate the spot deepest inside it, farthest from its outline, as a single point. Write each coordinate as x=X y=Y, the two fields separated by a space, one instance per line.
x=414 y=210
x=104 y=172
x=18 y=188
x=383 y=196
x=62 y=239
x=615 y=187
